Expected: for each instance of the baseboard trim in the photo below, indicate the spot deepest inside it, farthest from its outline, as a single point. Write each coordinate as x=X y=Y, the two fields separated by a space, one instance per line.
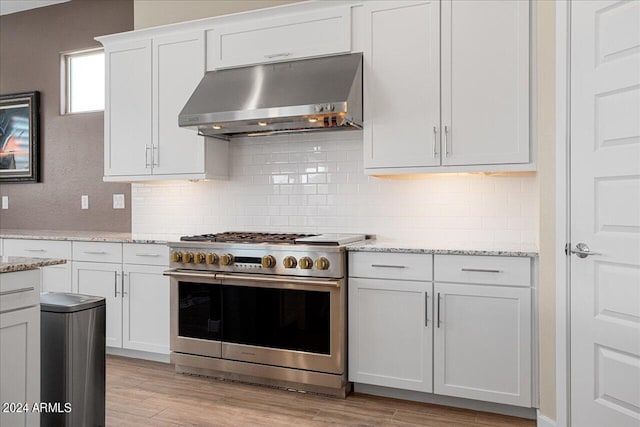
x=136 y=354
x=545 y=421
x=456 y=402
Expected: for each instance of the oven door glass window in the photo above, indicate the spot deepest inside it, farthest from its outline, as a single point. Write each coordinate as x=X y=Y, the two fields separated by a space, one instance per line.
x=199 y=311
x=277 y=318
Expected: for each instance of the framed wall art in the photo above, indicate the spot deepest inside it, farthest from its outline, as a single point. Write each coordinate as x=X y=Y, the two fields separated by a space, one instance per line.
x=19 y=137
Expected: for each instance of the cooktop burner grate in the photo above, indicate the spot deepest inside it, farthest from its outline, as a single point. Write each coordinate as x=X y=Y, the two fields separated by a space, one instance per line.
x=247 y=237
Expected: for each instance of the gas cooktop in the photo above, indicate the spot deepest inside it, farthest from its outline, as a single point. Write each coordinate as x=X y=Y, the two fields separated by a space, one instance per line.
x=334 y=239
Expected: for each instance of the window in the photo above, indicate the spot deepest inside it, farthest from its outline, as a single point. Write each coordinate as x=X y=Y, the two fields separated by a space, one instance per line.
x=83 y=82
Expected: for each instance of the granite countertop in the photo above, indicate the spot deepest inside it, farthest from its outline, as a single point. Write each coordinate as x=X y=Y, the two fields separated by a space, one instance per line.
x=87 y=236
x=416 y=247
x=10 y=264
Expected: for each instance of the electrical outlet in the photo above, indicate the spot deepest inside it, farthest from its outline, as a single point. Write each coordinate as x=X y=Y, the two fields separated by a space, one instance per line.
x=118 y=201
x=84 y=201
x=5 y=202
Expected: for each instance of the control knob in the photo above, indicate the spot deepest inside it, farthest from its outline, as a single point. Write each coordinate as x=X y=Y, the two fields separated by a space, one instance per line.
x=318 y=108
x=187 y=257
x=226 y=259
x=199 y=258
x=290 y=262
x=306 y=263
x=176 y=256
x=322 y=263
x=268 y=261
x=211 y=259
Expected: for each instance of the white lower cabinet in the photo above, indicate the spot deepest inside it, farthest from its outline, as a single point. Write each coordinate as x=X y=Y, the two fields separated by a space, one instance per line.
x=56 y=278
x=468 y=338
x=482 y=343
x=136 y=292
x=103 y=280
x=145 y=309
x=390 y=330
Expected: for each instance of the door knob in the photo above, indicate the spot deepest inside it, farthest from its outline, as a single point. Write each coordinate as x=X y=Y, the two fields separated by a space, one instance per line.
x=583 y=251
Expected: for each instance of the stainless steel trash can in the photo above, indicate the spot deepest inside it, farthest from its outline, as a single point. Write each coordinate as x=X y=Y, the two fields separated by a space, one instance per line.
x=72 y=359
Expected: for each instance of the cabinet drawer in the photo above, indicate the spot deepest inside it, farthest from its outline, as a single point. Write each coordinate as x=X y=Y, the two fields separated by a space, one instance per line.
x=148 y=254
x=385 y=265
x=280 y=39
x=19 y=290
x=97 y=252
x=488 y=270
x=37 y=248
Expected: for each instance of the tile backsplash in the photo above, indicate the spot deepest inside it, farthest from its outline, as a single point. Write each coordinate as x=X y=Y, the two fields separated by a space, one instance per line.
x=316 y=183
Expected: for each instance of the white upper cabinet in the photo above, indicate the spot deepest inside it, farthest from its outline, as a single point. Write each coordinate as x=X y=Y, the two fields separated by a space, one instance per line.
x=281 y=38
x=148 y=83
x=401 y=84
x=127 y=112
x=485 y=82
x=446 y=86
x=178 y=67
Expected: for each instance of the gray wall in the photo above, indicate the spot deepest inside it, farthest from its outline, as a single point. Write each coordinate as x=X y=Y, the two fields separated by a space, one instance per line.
x=71 y=145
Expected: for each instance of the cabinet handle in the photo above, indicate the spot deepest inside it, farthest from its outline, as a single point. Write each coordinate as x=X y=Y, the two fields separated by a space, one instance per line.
x=115 y=284
x=147 y=164
x=277 y=55
x=17 y=291
x=446 y=141
x=481 y=270
x=155 y=158
x=147 y=254
x=435 y=141
x=388 y=266
x=35 y=250
x=438 y=309
x=426 y=309
x=124 y=275
x=95 y=252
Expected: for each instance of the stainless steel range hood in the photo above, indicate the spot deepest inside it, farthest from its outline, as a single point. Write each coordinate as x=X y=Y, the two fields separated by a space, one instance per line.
x=286 y=97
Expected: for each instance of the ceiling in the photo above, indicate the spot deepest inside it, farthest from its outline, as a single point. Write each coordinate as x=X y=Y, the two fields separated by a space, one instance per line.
x=13 y=6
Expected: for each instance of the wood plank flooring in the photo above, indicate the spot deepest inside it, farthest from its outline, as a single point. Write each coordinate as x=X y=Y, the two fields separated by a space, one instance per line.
x=143 y=393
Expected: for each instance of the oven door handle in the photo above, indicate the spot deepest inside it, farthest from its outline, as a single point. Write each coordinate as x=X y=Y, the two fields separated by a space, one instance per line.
x=267 y=279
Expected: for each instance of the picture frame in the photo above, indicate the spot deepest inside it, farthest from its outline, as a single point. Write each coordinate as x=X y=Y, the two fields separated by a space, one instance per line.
x=19 y=137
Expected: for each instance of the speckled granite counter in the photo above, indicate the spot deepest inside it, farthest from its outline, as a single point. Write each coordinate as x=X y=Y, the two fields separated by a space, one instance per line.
x=452 y=249
x=85 y=236
x=10 y=264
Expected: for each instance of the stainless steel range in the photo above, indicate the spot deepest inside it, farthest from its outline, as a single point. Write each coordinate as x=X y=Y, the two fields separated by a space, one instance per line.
x=261 y=307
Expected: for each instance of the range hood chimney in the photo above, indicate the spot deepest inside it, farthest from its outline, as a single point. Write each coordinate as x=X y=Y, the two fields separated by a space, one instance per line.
x=287 y=97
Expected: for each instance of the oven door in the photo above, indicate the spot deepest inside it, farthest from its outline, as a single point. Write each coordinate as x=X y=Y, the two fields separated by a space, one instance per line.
x=196 y=313
x=284 y=321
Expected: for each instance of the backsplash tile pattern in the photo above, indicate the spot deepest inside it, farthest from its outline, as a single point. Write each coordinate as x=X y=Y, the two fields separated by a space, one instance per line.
x=315 y=183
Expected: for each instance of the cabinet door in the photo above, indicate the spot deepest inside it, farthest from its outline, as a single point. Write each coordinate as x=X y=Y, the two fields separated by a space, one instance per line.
x=127 y=113
x=56 y=278
x=390 y=333
x=287 y=37
x=103 y=280
x=178 y=67
x=20 y=364
x=485 y=82
x=483 y=343
x=402 y=84
x=145 y=309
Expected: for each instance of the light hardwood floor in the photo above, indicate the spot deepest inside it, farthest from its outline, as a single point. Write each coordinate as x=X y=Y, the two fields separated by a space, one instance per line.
x=143 y=393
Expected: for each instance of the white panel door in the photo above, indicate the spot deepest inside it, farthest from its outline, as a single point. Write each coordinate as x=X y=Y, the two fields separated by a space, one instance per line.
x=103 y=280
x=401 y=84
x=145 y=309
x=178 y=67
x=485 y=82
x=127 y=113
x=56 y=278
x=605 y=213
x=482 y=344
x=20 y=365
x=390 y=333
